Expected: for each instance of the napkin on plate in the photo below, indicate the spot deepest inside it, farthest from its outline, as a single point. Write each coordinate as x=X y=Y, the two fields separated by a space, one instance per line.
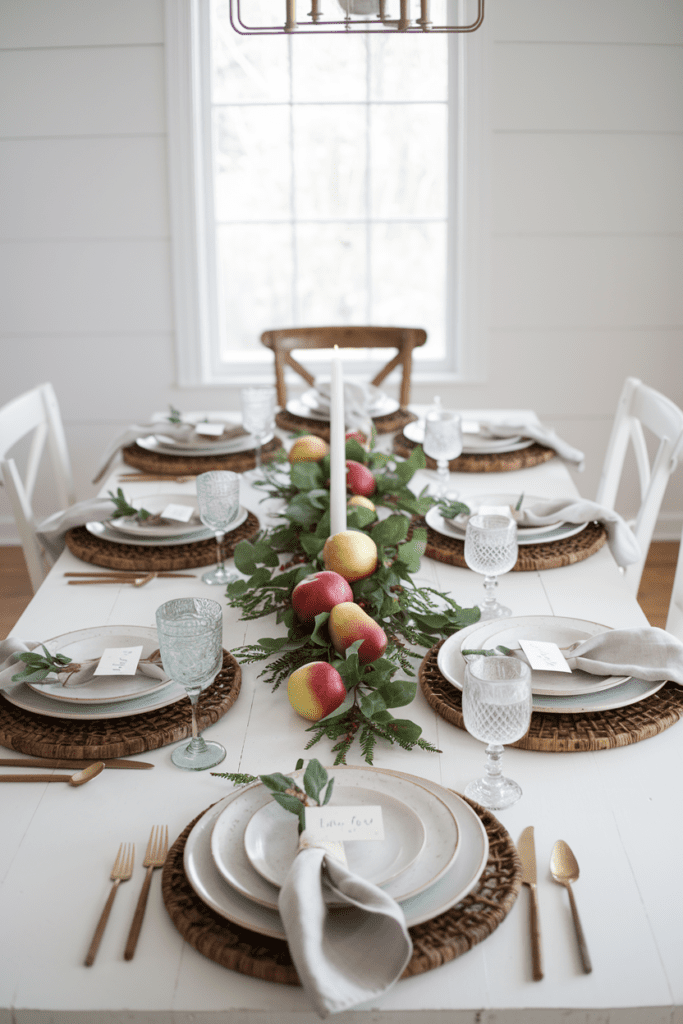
x=177 y=431
x=620 y=537
x=359 y=400
x=11 y=666
x=645 y=652
x=51 y=531
x=544 y=435
x=342 y=956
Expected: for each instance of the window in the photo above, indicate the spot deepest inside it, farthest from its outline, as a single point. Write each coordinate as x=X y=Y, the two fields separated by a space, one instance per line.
x=315 y=180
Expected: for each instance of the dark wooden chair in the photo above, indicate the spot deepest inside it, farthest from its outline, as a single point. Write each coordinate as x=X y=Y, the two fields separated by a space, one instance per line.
x=287 y=340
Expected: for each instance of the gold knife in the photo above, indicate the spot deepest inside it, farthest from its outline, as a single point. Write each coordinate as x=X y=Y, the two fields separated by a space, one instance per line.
x=527 y=854
x=49 y=762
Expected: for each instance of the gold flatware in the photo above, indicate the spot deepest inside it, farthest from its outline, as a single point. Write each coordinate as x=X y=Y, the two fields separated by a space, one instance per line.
x=527 y=854
x=121 y=872
x=157 y=848
x=50 y=762
x=565 y=870
x=145 y=477
x=78 y=779
x=125 y=574
x=136 y=581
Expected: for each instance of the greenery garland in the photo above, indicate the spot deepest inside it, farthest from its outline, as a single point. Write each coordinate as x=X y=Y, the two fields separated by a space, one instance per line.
x=411 y=616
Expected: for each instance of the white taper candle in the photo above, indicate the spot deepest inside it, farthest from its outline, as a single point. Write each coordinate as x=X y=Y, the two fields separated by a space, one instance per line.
x=337 y=448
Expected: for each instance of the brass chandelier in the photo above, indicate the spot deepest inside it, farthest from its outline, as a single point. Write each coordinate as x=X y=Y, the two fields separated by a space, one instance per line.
x=358 y=16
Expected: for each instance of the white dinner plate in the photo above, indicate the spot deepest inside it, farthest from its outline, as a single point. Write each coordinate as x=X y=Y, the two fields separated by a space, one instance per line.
x=105 y=531
x=475 y=501
x=306 y=406
x=155 y=504
x=271 y=838
x=439 y=852
x=473 y=443
x=168 y=447
x=452 y=666
x=553 y=629
x=86 y=644
x=545 y=535
x=453 y=886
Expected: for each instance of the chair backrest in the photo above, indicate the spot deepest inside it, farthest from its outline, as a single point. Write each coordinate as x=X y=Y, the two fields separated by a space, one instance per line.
x=284 y=342
x=641 y=406
x=36 y=412
x=674 y=620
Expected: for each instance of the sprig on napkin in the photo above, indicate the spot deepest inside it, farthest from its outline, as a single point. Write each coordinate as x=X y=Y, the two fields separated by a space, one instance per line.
x=285 y=790
x=174 y=415
x=451 y=509
x=492 y=652
x=39 y=666
x=124 y=508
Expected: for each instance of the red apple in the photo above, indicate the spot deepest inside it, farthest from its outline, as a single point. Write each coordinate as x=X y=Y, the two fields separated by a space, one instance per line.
x=319 y=592
x=315 y=690
x=348 y=623
x=357 y=435
x=359 y=479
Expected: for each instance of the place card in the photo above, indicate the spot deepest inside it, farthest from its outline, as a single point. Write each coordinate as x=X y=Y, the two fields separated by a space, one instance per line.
x=181 y=513
x=494 y=510
x=119 y=661
x=342 y=824
x=544 y=656
x=209 y=429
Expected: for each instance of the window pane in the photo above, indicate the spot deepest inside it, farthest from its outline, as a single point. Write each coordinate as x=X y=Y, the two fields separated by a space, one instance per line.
x=330 y=161
x=251 y=166
x=409 y=155
x=247 y=69
x=329 y=68
x=332 y=274
x=408 y=67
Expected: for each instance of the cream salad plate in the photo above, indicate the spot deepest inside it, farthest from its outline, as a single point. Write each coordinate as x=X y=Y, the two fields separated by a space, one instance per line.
x=231 y=441
x=459 y=879
x=156 y=505
x=474 y=443
x=456 y=528
x=554 y=692
x=108 y=531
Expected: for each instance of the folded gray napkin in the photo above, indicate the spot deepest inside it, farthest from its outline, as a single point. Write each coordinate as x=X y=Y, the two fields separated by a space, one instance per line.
x=620 y=537
x=358 y=403
x=51 y=531
x=177 y=431
x=645 y=652
x=544 y=435
x=342 y=956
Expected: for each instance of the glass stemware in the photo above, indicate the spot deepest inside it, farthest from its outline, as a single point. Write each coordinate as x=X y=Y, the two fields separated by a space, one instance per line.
x=491 y=550
x=496 y=707
x=190 y=632
x=443 y=442
x=218 y=495
x=258 y=418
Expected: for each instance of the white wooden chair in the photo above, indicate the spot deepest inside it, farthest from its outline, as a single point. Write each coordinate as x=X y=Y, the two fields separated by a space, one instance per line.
x=36 y=412
x=641 y=406
x=674 y=621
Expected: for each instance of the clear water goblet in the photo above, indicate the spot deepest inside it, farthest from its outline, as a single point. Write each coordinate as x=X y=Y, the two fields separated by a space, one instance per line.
x=491 y=550
x=218 y=495
x=443 y=442
x=190 y=632
x=496 y=707
x=258 y=418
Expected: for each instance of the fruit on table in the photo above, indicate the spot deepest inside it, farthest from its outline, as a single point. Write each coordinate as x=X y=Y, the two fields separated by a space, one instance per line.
x=351 y=553
x=360 y=499
x=315 y=690
x=359 y=479
x=348 y=623
x=356 y=435
x=308 y=449
x=319 y=592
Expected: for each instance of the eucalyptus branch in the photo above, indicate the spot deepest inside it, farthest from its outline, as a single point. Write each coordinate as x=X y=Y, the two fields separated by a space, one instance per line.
x=123 y=507
x=287 y=793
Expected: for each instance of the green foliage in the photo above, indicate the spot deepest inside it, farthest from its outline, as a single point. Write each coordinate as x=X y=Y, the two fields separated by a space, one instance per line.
x=287 y=793
x=122 y=507
x=39 y=666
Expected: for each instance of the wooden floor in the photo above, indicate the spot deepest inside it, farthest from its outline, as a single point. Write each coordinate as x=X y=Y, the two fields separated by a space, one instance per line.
x=654 y=594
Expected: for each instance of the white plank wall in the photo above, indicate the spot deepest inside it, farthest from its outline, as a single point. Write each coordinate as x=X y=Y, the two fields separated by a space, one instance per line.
x=583 y=136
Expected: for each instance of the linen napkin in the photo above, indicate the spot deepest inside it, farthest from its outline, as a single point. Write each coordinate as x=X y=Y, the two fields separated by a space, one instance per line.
x=359 y=400
x=10 y=666
x=51 y=531
x=342 y=956
x=620 y=537
x=178 y=431
x=645 y=652
x=544 y=435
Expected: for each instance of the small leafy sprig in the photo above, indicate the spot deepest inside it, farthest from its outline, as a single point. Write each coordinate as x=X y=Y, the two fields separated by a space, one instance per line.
x=174 y=415
x=451 y=509
x=286 y=791
x=39 y=666
x=491 y=652
x=123 y=507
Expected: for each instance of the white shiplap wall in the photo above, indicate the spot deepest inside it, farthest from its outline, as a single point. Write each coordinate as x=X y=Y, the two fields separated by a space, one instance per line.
x=582 y=285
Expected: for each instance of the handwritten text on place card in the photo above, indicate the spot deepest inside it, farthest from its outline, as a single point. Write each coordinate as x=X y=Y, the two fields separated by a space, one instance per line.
x=182 y=513
x=209 y=429
x=494 y=510
x=119 y=661
x=544 y=656
x=341 y=824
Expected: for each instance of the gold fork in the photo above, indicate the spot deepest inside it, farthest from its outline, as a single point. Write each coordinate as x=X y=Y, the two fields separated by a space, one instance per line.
x=121 y=872
x=157 y=848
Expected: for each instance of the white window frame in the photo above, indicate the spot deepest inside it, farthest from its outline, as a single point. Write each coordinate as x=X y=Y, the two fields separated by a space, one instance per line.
x=193 y=252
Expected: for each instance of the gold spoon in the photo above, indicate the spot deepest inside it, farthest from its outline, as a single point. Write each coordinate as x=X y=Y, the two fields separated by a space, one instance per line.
x=565 y=870
x=78 y=779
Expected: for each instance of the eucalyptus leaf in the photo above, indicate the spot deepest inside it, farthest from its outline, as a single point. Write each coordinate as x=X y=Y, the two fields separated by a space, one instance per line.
x=244 y=558
x=278 y=782
x=315 y=777
x=318 y=637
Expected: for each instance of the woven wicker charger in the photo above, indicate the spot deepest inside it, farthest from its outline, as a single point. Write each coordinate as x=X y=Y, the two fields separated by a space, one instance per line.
x=176 y=465
x=599 y=730
x=434 y=943
x=496 y=462
x=551 y=555
x=321 y=428
x=99 y=551
x=118 y=737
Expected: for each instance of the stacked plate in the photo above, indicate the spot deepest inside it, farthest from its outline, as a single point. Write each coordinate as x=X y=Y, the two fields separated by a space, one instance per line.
x=555 y=692
x=230 y=442
x=474 y=443
x=457 y=527
x=310 y=405
x=434 y=851
x=131 y=530
x=94 y=697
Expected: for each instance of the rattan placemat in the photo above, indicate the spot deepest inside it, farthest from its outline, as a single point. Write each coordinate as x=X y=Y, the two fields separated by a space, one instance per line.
x=434 y=943
x=499 y=462
x=599 y=730
x=551 y=555
x=98 y=551
x=156 y=462
x=118 y=737
x=321 y=428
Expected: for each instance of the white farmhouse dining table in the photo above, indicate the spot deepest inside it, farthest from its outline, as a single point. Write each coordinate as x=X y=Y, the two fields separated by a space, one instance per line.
x=620 y=811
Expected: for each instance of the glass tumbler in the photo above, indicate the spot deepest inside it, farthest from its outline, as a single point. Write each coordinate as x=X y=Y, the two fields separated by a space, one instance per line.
x=218 y=495
x=190 y=631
